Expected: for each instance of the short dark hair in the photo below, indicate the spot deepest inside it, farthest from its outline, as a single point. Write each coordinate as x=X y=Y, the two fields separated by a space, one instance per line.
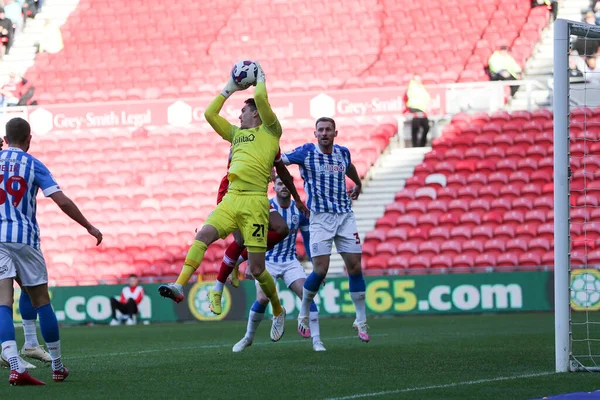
x=133 y=276
x=251 y=103
x=17 y=131
x=325 y=119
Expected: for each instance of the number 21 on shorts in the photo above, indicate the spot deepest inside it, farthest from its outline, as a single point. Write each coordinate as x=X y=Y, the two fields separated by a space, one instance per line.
x=259 y=230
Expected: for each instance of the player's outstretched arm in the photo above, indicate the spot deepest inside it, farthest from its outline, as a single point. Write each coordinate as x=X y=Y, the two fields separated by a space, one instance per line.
x=68 y=207
x=267 y=116
x=353 y=175
x=218 y=123
x=288 y=181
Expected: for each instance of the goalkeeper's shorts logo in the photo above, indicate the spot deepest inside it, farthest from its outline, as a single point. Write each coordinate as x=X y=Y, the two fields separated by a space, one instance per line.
x=199 y=305
x=585 y=290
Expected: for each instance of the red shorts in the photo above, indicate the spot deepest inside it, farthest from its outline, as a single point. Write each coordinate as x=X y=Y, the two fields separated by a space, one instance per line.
x=222 y=189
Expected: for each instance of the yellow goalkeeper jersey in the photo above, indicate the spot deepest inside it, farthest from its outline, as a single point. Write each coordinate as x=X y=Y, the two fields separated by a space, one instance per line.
x=252 y=150
x=252 y=153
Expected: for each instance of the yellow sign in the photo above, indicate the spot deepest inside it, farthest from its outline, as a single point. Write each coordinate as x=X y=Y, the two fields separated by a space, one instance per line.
x=585 y=290
x=199 y=304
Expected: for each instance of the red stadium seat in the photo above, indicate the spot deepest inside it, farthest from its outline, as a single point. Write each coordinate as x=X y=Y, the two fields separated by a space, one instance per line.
x=406 y=221
x=441 y=262
x=385 y=249
x=507 y=260
x=397 y=262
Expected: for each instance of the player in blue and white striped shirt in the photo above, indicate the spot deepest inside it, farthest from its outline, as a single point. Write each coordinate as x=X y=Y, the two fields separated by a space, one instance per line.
x=282 y=262
x=21 y=176
x=324 y=168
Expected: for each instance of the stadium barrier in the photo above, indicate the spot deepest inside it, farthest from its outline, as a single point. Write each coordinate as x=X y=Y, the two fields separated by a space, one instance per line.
x=447 y=99
x=386 y=295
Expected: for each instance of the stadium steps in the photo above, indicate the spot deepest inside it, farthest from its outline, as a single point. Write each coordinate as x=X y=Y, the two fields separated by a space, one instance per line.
x=387 y=176
x=540 y=65
x=23 y=52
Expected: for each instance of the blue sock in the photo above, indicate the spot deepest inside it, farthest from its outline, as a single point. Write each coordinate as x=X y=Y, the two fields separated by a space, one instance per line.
x=313 y=307
x=357 y=282
x=313 y=282
x=7 y=328
x=26 y=308
x=258 y=308
x=48 y=324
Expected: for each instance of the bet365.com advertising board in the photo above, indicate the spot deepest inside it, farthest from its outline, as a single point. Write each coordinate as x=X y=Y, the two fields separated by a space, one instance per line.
x=385 y=295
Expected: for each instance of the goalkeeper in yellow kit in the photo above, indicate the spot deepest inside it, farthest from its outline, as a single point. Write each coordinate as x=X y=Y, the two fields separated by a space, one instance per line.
x=254 y=146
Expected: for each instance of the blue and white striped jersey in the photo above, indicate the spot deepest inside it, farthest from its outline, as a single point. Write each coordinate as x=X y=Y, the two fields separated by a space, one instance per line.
x=21 y=175
x=285 y=250
x=324 y=177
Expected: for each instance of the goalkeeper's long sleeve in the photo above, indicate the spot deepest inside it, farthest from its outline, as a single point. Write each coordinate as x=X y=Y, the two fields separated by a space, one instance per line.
x=219 y=124
x=268 y=117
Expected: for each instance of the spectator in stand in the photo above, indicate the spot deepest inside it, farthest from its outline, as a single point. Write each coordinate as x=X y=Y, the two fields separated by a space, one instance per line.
x=590 y=18
x=574 y=64
x=29 y=9
x=417 y=101
x=6 y=32
x=131 y=296
x=13 y=10
x=503 y=67
x=17 y=92
x=51 y=40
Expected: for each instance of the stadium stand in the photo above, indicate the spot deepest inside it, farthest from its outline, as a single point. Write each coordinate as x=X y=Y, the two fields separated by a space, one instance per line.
x=494 y=208
x=152 y=190
x=134 y=50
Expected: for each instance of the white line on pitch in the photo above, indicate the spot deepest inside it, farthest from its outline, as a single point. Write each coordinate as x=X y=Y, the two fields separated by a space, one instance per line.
x=209 y=346
x=448 y=385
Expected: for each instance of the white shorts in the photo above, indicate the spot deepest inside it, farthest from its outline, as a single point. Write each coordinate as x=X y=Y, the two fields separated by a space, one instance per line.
x=289 y=271
x=23 y=262
x=326 y=228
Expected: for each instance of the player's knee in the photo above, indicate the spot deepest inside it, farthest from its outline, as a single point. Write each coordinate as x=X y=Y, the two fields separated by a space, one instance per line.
x=262 y=299
x=353 y=264
x=208 y=234
x=239 y=239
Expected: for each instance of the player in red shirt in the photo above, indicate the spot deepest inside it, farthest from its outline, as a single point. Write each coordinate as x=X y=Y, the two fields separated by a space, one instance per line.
x=278 y=229
x=131 y=297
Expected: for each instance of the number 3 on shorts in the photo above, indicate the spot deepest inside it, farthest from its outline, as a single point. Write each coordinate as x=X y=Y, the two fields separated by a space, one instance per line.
x=357 y=237
x=259 y=230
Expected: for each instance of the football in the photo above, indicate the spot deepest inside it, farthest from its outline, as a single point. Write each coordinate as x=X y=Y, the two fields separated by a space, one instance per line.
x=244 y=73
x=585 y=290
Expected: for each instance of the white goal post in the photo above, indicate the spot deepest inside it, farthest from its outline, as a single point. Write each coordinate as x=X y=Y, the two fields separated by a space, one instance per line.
x=577 y=333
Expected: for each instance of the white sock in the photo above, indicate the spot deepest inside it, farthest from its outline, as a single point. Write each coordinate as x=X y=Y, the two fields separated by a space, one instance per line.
x=307 y=298
x=254 y=320
x=11 y=353
x=30 y=331
x=218 y=286
x=358 y=298
x=315 y=331
x=54 y=350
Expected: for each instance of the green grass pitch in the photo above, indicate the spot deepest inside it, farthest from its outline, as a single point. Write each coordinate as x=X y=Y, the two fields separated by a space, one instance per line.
x=444 y=357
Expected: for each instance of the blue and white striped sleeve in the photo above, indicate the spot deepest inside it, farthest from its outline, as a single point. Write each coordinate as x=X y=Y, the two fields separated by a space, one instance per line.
x=44 y=179
x=346 y=154
x=296 y=156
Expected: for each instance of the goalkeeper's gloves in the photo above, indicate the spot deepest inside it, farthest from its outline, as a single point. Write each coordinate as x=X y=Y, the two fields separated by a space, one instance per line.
x=260 y=74
x=230 y=88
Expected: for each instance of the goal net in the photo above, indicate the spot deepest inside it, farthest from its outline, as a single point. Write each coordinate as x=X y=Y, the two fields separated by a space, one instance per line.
x=576 y=196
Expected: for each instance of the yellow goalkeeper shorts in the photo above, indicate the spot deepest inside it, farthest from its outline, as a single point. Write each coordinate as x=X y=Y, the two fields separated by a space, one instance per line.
x=246 y=211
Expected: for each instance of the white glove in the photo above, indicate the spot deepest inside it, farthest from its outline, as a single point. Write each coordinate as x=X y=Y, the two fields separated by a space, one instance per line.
x=230 y=88
x=260 y=74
